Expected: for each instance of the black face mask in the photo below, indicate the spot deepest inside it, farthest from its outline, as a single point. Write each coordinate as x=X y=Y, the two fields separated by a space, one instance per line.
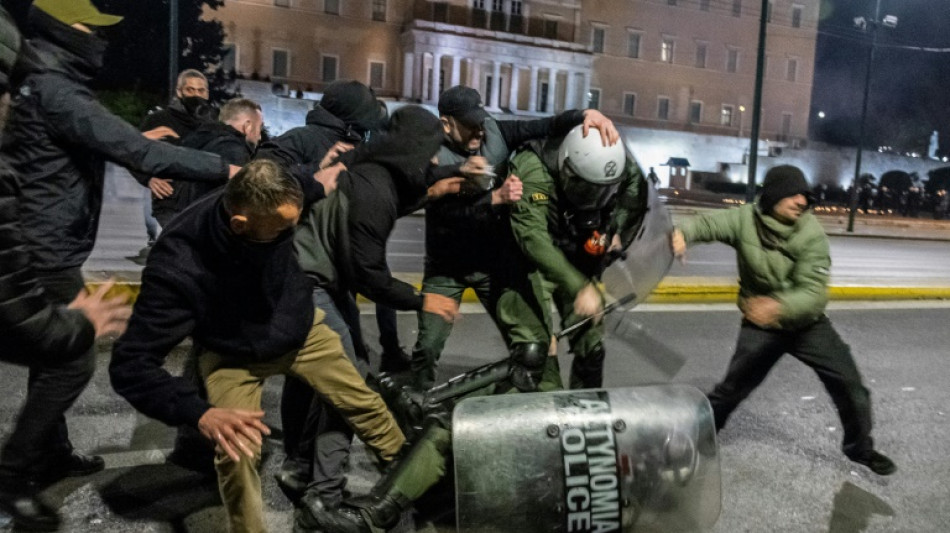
x=196 y=106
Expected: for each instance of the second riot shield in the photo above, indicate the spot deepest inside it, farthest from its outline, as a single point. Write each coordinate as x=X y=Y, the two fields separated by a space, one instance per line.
x=640 y=459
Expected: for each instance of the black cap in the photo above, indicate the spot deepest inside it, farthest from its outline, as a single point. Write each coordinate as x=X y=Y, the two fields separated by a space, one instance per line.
x=463 y=104
x=781 y=182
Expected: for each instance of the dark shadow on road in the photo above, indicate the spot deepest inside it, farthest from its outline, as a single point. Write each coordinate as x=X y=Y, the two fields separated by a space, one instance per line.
x=165 y=493
x=853 y=508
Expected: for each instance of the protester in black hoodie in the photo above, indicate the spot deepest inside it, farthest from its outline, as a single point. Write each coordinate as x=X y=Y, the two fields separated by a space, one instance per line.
x=225 y=272
x=341 y=245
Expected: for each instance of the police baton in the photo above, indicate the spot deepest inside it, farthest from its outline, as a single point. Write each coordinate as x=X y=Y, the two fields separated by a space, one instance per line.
x=587 y=321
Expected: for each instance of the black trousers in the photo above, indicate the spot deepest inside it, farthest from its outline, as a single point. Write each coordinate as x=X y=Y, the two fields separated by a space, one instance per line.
x=820 y=347
x=40 y=437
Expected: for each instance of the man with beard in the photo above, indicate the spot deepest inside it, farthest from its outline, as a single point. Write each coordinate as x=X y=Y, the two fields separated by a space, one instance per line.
x=58 y=140
x=225 y=273
x=342 y=248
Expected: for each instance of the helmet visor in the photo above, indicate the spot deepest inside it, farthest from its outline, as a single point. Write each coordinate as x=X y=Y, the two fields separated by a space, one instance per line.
x=583 y=194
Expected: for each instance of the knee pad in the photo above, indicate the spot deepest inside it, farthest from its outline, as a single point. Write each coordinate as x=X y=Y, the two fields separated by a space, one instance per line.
x=527 y=365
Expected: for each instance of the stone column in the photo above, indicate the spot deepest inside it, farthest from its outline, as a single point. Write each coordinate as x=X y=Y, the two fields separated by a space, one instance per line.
x=456 y=70
x=424 y=86
x=513 y=88
x=552 y=86
x=475 y=79
x=533 y=95
x=436 y=76
x=585 y=87
x=495 y=84
x=570 y=91
x=408 y=61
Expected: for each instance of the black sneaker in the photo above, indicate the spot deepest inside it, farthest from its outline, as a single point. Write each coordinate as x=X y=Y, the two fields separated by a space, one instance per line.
x=395 y=361
x=879 y=463
x=27 y=511
x=72 y=465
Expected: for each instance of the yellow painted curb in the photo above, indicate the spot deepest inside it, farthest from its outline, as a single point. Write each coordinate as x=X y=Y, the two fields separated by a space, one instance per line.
x=674 y=290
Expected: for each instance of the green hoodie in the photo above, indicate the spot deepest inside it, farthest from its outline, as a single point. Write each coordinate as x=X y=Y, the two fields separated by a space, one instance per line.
x=789 y=263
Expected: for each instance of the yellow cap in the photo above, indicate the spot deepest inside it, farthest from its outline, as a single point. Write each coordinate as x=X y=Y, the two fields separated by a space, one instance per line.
x=70 y=12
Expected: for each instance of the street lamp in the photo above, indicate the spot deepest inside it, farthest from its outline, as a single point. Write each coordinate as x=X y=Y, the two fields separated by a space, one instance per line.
x=889 y=21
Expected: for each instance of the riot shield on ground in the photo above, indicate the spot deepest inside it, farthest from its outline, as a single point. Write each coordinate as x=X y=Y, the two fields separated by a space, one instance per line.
x=640 y=459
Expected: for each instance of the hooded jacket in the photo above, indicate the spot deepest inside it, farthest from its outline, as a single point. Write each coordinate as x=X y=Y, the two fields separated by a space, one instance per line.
x=309 y=143
x=245 y=301
x=59 y=139
x=342 y=243
x=790 y=263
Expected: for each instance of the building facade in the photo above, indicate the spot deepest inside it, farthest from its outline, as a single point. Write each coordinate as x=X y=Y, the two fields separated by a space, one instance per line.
x=685 y=65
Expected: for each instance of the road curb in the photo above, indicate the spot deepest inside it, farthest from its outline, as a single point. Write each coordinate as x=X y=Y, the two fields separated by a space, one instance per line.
x=672 y=290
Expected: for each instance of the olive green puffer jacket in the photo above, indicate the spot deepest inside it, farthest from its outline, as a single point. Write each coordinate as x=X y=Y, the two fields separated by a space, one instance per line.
x=789 y=263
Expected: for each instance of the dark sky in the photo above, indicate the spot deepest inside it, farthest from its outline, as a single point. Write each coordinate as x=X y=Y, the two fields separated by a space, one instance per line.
x=910 y=88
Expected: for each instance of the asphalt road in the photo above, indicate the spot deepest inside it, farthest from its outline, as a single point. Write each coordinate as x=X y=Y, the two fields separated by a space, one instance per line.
x=878 y=261
x=781 y=468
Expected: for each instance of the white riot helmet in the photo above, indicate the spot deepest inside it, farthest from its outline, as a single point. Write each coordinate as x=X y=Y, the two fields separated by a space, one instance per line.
x=590 y=172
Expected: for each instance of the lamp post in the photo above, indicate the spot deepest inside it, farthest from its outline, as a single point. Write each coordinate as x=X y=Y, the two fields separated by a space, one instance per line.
x=889 y=21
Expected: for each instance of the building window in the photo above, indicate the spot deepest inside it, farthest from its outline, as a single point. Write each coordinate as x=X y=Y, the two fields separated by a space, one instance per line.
x=629 y=104
x=516 y=7
x=792 y=70
x=633 y=45
x=594 y=99
x=542 y=97
x=550 y=29
x=440 y=11
x=797 y=16
x=736 y=8
x=786 y=126
x=704 y=5
x=700 y=55
x=728 y=111
x=328 y=68
x=280 y=66
x=229 y=58
x=695 y=112
x=666 y=50
x=478 y=4
x=663 y=108
x=376 y=72
x=515 y=21
x=597 y=40
x=379 y=10
x=497 y=5
x=331 y=7
x=282 y=3
x=732 y=60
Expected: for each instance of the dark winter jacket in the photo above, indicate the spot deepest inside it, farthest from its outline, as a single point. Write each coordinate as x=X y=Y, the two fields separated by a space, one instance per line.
x=311 y=142
x=216 y=138
x=31 y=328
x=175 y=117
x=245 y=301
x=463 y=231
x=342 y=243
x=59 y=139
